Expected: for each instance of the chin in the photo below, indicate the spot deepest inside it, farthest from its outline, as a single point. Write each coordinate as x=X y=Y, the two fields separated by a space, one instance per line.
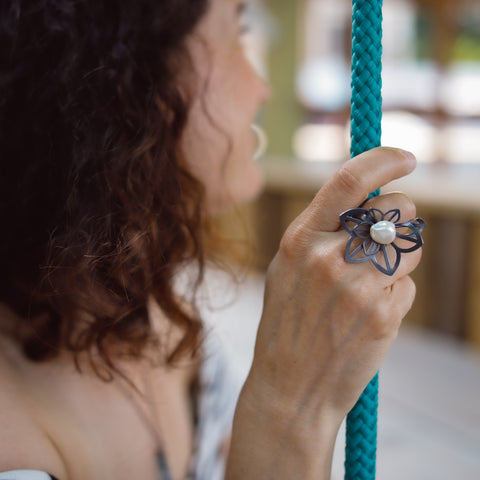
x=237 y=195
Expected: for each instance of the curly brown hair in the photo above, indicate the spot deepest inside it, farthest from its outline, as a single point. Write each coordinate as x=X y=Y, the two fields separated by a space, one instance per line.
x=98 y=212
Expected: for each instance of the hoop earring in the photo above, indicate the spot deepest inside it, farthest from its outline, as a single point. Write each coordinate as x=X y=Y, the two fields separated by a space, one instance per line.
x=262 y=141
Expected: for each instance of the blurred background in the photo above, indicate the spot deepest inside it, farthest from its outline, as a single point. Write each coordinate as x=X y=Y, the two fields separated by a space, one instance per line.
x=429 y=424
x=431 y=105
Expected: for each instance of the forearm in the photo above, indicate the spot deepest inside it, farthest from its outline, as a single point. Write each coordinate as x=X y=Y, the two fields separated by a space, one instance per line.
x=273 y=441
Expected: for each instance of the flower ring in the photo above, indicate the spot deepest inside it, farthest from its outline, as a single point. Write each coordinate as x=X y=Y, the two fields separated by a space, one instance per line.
x=372 y=232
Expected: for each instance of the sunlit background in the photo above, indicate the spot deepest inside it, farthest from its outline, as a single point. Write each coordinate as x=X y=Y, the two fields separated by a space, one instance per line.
x=431 y=79
x=431 y=75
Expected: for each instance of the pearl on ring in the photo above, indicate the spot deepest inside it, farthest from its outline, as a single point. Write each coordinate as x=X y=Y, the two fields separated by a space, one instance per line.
x=370 y=234
x=383 y=232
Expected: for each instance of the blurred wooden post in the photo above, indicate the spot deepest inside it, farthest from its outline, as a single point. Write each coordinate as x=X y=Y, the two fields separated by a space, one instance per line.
x=282 y=114
x=473 y=293
x=448 y=256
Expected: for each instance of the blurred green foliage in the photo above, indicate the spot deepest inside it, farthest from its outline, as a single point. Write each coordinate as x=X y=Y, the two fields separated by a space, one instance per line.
x=467 y=47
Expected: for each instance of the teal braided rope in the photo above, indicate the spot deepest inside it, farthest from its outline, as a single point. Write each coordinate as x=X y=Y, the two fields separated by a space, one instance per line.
x=361 y=446
x=366 y=112
x=366 y=115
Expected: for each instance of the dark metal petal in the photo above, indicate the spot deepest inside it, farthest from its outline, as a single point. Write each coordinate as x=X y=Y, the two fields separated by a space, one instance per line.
x=392 y=215
x=370 y=247
x=362 y=231
x=391 y=265
x=376 y=215
x=414 y=228
x=419 y=224
x=353 y=254
x=357 y=216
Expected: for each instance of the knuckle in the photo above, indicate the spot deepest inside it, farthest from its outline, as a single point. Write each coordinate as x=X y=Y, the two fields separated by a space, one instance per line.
x=409 y=210
x=414 y=259
x=389 y=315
x=358 y=295
x=410 y=291
x=322 y=266
x=394 y=200
x=381 y=316
x=357 y=290
x=384 y=321
x=365 y=294
x=348 y=181
x=293 y=242
x=327 y=261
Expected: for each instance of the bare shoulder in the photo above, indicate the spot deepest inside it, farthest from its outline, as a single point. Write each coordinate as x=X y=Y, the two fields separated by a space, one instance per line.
x=24 y=444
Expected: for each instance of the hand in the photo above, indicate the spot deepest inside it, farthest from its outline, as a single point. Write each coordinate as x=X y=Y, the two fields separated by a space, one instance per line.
x=328 y=324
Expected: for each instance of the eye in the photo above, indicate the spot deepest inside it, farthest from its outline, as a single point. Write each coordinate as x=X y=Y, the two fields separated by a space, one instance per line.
x=243 y=18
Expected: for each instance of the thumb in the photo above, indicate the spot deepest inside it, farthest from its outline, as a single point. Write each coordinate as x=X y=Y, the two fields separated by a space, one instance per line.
x=352 y=183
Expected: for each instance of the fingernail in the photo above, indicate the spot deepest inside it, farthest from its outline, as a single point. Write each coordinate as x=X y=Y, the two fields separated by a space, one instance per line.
x=412 y=161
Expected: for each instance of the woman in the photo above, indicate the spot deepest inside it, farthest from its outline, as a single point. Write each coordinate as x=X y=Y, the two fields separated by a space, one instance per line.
x=124 y=127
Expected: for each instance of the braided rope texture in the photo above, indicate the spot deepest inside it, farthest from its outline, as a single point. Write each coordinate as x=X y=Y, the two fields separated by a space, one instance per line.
x=366 y=115
x=366 y=112
x=361 y=446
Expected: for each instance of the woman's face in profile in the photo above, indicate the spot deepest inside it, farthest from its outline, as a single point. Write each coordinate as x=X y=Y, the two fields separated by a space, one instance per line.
x=218 y=141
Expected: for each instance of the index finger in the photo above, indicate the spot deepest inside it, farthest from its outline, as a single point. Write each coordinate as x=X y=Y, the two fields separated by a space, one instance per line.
x=352 y=183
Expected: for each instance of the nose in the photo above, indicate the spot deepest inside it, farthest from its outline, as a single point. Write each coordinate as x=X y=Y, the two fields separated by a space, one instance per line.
x=264 y=90
x=260 y=84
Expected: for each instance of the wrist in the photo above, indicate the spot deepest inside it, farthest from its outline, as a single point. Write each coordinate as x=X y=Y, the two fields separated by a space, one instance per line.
x=310 y=410
x=274 y=438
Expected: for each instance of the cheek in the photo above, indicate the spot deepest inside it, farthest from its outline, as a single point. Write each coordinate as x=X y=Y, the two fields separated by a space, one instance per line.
x=224 y=165
x=204 y=150
x=219 y=145
x=242 y=179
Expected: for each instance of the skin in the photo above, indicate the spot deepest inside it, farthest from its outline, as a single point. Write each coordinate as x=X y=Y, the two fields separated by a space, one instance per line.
x=77 y=426
x=325 y=329
x=218 y=142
